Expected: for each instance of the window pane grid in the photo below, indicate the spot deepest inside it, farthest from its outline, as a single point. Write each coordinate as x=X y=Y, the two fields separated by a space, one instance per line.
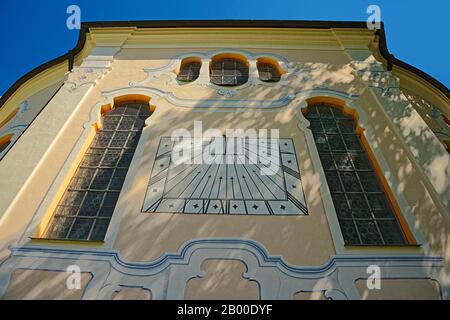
x=189 y=71
x=87 y=205
x=364 y=212
x=76 y=213
x=228 y=72
x=367 y=219
x=267 y=72
x=85 y=217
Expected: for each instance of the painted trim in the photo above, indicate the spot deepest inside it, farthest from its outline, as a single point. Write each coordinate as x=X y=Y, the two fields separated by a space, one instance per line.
x=167 y=276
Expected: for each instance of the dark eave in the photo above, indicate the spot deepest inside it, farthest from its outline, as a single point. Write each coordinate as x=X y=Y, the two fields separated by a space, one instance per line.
x=299 y=24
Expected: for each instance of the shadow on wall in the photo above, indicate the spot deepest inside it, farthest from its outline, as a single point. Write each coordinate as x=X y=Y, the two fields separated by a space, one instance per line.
x=435 y=226
x=148 y=233
x=400 y=289
x=43 y=285
x=428 y=153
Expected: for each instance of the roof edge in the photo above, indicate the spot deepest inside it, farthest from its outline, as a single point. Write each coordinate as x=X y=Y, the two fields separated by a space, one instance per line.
x=311 y=24
x=69 y=56
x=392 y=60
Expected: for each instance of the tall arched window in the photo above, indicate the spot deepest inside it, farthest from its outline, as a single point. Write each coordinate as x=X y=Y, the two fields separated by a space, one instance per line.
x=87 y=205
x=228 y=72
x=189 y=70
x=364 y=211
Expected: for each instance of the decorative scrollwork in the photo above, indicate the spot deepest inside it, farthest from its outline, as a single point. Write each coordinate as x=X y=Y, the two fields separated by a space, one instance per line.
x=81 y=76
x=227 y=93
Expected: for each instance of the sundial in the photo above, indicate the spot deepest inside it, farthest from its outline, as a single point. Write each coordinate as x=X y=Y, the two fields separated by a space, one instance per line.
x=254 y=180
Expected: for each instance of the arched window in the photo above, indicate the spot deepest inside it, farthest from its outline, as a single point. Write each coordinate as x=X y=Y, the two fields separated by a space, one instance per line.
x=268 y=72
x=4 y=142
x=87 y=205
x=189 y=70
x=228 y=72
x=364 y=211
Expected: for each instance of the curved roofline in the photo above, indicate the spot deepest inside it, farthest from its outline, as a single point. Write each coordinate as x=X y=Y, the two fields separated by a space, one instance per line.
x=300 y=24
x=392 y=60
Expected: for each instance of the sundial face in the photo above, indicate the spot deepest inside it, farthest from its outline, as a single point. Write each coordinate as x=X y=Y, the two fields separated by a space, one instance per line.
x=258 y=176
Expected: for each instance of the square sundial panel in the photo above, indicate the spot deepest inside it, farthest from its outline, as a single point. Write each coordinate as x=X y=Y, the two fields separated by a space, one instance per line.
x=261 y=178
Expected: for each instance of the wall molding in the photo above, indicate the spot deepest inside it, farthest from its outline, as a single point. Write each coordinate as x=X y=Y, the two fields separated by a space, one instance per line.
x=171 y=98
x=167 y=276
x=169 y=71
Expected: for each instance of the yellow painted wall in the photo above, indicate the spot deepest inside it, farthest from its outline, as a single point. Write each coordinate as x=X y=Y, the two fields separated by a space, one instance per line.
x=301 y=240
x=43 y=285
x=401 y=289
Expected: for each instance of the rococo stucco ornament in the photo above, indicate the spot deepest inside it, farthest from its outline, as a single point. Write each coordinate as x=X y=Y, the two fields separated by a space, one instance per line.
x=80 y=76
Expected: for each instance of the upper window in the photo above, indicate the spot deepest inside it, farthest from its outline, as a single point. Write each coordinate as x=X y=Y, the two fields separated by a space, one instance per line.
x=268 y=72
x=4 y=142
x=364 y=212
x=85 y=210
x=189 y=70
x=229 y=72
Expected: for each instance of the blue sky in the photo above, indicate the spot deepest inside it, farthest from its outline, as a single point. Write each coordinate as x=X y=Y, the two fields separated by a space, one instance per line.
x=35 y=31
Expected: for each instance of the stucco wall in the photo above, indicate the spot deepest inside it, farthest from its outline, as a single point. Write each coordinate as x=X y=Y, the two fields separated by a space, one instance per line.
x=48 y=153
x=43 y=285
x=222 y=280
x=404 y=289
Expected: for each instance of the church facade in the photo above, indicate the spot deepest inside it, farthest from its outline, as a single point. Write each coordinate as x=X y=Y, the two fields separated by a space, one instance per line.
x=225 y=160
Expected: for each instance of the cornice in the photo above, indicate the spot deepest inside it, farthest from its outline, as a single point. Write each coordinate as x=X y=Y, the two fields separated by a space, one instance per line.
x=226 y=37
x=351 y=39
x=396 y=64
x=113 y=37
x=346 y=31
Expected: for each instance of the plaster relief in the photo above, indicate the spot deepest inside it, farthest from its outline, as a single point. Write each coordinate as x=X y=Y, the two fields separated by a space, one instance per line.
x=222 y=280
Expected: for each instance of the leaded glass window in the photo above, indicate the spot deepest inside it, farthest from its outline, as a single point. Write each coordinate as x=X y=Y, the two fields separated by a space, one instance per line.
x=229 y=72
x=268 y=72
x=85 y=210
x=189 y=71
x=364 y=212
